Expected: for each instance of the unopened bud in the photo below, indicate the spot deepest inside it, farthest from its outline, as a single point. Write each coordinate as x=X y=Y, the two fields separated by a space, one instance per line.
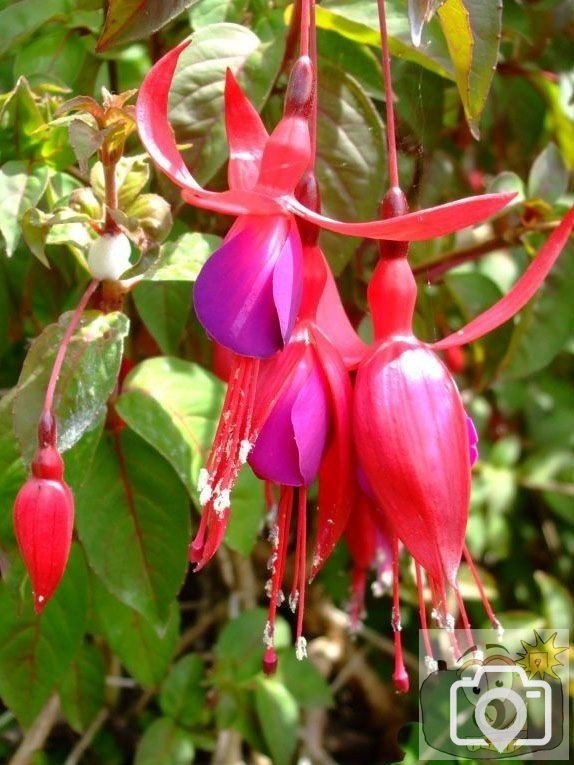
x=43 y=522
x=299 y=96
x=109 y=256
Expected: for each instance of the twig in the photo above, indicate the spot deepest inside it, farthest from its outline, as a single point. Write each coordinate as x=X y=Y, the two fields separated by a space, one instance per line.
x=85 y=742
x=37 y=734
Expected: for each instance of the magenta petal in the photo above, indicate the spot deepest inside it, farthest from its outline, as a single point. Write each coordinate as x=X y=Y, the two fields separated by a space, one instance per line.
x=472 y=440
x=290 y=446
x=237 y=297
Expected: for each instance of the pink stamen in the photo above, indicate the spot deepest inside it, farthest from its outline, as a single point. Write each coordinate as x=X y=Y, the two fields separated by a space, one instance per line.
x=300 y=571
x=485 y=601
x=464 y=617
x=400 y=675
x=422 y=610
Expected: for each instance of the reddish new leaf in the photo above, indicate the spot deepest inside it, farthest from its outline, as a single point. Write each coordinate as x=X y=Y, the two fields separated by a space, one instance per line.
x=128 y=20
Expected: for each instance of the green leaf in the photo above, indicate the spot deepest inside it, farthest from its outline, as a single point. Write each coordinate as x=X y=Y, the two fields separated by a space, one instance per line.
x=13 y=472
x=87 y=379
x=164 y=308
x=544 y=325
x=556 y=601
x=548 y=179
x=182 y=696
x=128 y=20
x=82 y=689
x=303 y=680
x=20 y=20
x=239 y=648
x=164 y=742
x=350 y=152
x=35 y=651
x=358 y=20
x=174 y=405
x=279 y=718
x=132 y=516
x=472 y=29
x=196 y=97
x=58 y=53
x=144 y=648
x=64 y=227
x=183 y=259
x=214 y=11
x=22 y=184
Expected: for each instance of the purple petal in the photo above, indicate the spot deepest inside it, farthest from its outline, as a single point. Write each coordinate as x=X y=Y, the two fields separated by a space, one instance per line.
x=290 y=446
x=238 y=297
x=472 y=440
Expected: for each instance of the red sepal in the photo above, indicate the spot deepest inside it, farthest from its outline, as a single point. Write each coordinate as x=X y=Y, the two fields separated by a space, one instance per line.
x=246 y=136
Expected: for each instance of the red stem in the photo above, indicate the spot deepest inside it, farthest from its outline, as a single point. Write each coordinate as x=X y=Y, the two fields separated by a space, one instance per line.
x=386 y=62
x=60 y=355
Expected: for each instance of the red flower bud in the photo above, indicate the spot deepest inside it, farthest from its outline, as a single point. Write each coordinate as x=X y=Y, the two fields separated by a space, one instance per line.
x=43 y=521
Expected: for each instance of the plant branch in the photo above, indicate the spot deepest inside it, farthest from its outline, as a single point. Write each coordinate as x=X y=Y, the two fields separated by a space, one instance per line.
x=38 y=733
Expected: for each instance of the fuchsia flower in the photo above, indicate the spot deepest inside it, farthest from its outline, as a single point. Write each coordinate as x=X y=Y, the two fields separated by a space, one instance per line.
x=248 y=293
x=44 y=517
x=412 y=435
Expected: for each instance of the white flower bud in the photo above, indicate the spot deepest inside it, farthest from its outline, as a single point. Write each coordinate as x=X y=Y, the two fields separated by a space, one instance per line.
x=109 y=256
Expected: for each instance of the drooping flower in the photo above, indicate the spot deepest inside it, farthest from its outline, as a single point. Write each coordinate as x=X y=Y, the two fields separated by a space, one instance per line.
x=44 y=517
x=248 y=292
x=412 y=435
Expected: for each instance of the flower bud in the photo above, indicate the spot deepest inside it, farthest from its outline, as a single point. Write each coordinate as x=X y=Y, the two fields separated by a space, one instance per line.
x=43 y=522
x=109 y=256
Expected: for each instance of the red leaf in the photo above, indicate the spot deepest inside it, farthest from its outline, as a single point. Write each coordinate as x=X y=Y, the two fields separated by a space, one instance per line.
x=128 y=20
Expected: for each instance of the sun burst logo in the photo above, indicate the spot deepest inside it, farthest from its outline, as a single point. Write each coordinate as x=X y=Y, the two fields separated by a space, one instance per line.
x=540 y=657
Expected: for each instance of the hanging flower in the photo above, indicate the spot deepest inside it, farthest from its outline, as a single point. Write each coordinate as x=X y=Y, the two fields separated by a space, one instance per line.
x=44 y=518
x=412 y=434
x=248 y=293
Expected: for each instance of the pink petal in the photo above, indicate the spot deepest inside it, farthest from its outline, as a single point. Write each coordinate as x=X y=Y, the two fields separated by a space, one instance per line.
x=290 y=445
x=286 y=156
x=524 y=289
x=335 y=476
x=157 y=136
x=412 y=441
x=335 y=324
x=416 y=226
x=246 y=136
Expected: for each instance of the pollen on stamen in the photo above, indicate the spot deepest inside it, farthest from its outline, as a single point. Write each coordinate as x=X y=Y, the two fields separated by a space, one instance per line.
x=222 y=502
x=280 y=598
x=382 y=584
x=245 y=448
x=301 y=648
x=203 y=479
x=499 y=630
x=396 y=621
x=293 y=600
x=274 y=535
x=449 y=623
x=271 y=562
x=431 y=664
x=268 y=635
x=269 y=587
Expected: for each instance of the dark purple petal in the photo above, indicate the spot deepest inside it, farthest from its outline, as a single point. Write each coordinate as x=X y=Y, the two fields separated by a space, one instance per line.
x=292 y=441
x=238 y=297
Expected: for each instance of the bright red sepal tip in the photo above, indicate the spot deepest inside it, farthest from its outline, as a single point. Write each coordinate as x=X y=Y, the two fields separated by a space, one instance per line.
x=517 y=297
x=43 y=522
x=158 y=138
